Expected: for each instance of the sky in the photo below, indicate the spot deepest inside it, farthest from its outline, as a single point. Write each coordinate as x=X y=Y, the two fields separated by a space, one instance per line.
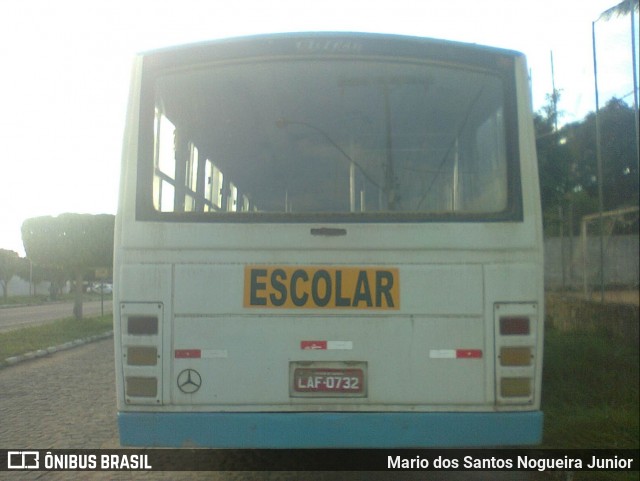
x=66 y=66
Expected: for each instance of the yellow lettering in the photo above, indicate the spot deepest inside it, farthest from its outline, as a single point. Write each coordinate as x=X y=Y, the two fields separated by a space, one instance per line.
x=321 y=287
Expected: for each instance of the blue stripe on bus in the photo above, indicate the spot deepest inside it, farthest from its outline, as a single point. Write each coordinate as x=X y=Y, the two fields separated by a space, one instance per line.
x=330 y=430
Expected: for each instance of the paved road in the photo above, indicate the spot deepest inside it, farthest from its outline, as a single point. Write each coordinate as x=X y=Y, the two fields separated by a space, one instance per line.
x=67 y=400
x=23 y=316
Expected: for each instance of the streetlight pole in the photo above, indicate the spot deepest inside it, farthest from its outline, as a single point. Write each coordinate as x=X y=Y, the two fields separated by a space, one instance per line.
x=635 y=80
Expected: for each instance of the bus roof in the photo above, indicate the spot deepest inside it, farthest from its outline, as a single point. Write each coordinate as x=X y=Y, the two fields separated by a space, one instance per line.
x=332 y=42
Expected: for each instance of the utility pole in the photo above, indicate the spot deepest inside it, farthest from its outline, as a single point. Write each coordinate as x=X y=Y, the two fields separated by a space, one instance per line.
x=554 y=100
x=599 y=162
x=554 y=95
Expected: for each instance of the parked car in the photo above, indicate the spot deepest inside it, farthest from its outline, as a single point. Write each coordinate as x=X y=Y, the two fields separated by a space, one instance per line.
x=98 y=287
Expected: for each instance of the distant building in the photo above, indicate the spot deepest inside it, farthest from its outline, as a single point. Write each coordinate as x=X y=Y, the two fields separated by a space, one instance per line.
x=20 y=287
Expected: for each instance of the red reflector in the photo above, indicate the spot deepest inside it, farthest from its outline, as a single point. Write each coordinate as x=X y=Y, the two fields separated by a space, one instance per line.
x=514 y=326
x=321 y=345
x=188 y=353
x=468 y=353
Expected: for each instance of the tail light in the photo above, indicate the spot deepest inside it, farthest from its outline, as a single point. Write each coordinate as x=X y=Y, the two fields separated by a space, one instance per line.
x=515 y=356
x=515 y=326
x=141 y=332
x=516 y=341
x=515 y=387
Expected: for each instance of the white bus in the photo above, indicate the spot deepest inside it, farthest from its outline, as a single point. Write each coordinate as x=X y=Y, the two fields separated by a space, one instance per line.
x=329 y=240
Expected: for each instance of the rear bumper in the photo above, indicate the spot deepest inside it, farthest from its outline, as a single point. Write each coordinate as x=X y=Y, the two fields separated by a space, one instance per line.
x=330 y=430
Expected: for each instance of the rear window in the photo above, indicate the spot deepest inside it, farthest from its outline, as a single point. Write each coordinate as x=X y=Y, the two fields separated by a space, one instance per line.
x=338 y=139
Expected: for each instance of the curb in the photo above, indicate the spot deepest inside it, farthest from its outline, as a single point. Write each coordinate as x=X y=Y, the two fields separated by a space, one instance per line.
x=30 y=304
x=13 y=360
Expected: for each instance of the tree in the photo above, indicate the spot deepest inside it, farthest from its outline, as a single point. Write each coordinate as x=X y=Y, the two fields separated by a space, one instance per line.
x=9 y=266
x=554 y=159
x=567 y=162
x=623 y=8
x=75 y=243
x=620 y=172
x=618 y=155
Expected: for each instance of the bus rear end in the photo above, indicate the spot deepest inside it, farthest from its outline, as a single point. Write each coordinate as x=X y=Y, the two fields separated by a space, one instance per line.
x=329 y=240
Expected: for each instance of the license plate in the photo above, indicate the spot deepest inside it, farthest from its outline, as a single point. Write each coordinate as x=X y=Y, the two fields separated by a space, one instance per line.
x=328 y=382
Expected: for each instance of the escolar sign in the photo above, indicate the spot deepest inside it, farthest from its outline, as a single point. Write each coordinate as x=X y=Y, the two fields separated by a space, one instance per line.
x=321 y=287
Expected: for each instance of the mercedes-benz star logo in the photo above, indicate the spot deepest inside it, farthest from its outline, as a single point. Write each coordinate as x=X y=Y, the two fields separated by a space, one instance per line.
x=189 y=381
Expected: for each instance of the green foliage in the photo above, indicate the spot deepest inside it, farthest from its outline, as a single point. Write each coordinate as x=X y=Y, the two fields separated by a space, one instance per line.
x=568 y=162
x=568 y=211
x=623 y=8
x=555 y=179
x=619 y=162
x=9 y=266
x=589 y=391
x=34 y=338
x=73 y=243
x=70 y=241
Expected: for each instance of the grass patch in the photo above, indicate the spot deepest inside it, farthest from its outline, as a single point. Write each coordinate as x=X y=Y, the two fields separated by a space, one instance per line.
x=590 y=396
x=22 y=300
x=44 y=299
x=590 y=392
x=29 y=339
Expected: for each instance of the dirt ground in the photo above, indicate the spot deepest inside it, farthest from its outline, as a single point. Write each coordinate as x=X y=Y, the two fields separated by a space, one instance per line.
x=616 y=297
